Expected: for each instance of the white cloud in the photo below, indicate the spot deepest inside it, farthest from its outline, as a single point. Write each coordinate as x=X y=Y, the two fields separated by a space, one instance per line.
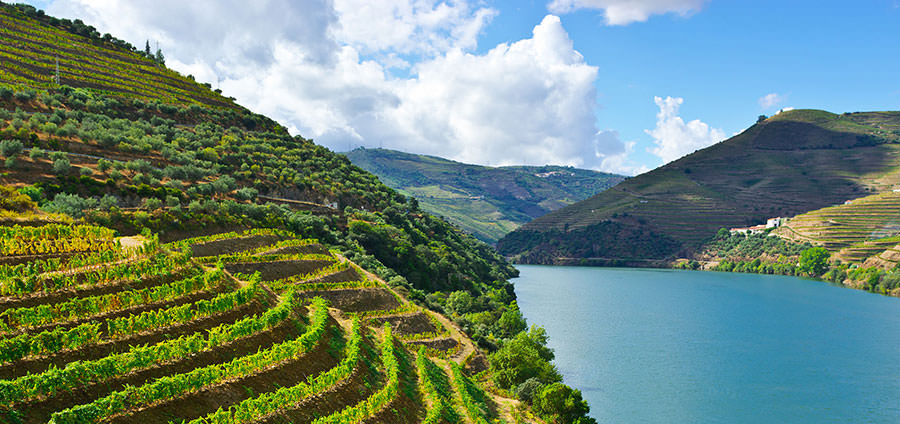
x=322 y=68
x=424 y=27
x=528 y=102
x=673 y=137
x=624 y=12
x=786 y=109
x=771 y=99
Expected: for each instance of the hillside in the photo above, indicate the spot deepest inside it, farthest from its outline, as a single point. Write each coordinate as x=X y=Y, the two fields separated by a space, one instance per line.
x=863 y=231
x=487 y=202
x=258 y=325
x=101 y=321
x=788 y=164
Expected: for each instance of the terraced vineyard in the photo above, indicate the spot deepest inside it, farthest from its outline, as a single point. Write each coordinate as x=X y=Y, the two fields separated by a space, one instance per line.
x=257 y=326
x=31 y=51
x=863 y=229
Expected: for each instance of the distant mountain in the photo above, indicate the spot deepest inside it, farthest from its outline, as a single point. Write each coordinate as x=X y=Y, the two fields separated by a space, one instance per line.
x=485 y=201
x=791 y=163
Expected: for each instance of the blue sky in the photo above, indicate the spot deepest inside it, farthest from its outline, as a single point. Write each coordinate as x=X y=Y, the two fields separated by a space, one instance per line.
x=617 y=85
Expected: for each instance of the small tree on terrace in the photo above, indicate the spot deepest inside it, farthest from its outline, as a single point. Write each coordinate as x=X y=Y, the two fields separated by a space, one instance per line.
x=814 y=261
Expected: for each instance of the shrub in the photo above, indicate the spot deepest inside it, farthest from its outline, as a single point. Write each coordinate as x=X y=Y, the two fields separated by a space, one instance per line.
x=562 y=404
x=70 y=204
x=10 y=148
x=61 y=167
x=814 y=261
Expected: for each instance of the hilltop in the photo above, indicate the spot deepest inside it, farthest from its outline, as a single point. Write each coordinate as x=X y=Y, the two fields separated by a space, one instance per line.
x=166 y=254
x=785 y=165
x=487 y=202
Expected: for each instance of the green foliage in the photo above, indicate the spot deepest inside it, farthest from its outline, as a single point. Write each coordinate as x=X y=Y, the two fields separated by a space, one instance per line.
x=814 y=261
x=560 y=404
x=11 y=148
x=523 y=357
x=61 y=166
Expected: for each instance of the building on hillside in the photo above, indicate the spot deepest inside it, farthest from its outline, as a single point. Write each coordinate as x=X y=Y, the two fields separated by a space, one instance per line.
x=756 y=229
x=774 y=222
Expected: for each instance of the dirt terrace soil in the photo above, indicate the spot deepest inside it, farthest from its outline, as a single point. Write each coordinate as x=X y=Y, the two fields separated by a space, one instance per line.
x=16 y=260
x=403 y=325
x=224 y=247
x=357 y=300
x=277 y=270
x=309 y=249
x=444 y=344
x=348 y=274
x=39 y=411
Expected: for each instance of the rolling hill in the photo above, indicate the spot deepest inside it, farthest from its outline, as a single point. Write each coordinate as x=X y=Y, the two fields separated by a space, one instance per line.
x=788 y=164
x=487 y=202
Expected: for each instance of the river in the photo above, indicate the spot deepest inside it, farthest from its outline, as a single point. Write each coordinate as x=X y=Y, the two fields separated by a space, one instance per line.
x=667 y=346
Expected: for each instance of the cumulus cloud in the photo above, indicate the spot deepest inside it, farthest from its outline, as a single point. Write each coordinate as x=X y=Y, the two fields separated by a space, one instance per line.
x=528 y=102
x=673 y=137
x=323 y=69
x=624 y=12
x=771 y=100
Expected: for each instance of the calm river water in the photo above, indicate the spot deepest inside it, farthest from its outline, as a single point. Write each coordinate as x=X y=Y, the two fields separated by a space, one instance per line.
x=665 y=346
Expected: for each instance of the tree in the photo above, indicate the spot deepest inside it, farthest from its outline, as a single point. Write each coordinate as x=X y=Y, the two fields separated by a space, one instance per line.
x=814 y=261
x=160 y=59
x=9 y=148
x=147 y=51
x=61 y=166
x=761 y=118
x=561 y=404
x=459 y=302
x=523 y=357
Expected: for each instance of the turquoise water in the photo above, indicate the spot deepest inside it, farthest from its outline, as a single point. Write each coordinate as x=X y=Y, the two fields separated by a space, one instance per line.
x=665 y=346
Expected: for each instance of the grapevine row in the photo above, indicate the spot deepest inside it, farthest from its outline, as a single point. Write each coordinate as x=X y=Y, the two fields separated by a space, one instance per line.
x=58 y=339
x=80 y=373
x=73 y=309
x=476 y=409
x=179 y=384
x=434 y=385
x=367 y=408
x=253 y=409
x=159 y=264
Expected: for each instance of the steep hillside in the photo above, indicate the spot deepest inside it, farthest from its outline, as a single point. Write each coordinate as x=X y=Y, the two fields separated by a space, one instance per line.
x=100 y=322
x=862 y=231
x=36 y=48
x=485 y=201
x=785 y=165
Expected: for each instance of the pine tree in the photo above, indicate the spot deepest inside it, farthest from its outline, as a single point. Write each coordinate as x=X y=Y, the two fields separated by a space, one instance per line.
x=147 y=49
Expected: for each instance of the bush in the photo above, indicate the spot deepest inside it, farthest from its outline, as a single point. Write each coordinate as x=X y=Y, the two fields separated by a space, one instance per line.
x=526 y=391
x=814 y=261
x=10 y=148
x=247 y=193
x=152 y=203
x=36 y=153
x=86 y=171
x=523 y=357
x=61 y=167
x=25 y=95
x=561 y=404
x=70 y=204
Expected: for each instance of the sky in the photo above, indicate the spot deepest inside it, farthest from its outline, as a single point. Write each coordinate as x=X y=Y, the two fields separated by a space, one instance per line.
x=614 y=85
